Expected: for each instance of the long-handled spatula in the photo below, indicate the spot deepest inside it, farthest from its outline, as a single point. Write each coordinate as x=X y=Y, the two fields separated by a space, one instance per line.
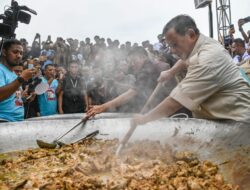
x=43 y=144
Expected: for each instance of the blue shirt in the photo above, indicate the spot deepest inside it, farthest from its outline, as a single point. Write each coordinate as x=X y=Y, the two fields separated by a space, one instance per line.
x=11 y=109
x=48 y=101
x=237 y=59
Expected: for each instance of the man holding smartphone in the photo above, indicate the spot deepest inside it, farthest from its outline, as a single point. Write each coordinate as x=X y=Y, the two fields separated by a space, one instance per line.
x=10 y=83
x=241 y=22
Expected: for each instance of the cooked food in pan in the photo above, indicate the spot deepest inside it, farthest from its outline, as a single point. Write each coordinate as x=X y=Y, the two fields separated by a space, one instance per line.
x=92 y=164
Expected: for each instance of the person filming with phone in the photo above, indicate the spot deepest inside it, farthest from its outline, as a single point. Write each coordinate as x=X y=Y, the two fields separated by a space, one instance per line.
x=10 y=83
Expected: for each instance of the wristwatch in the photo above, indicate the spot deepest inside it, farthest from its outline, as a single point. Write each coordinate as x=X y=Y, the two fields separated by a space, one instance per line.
x=21 y=80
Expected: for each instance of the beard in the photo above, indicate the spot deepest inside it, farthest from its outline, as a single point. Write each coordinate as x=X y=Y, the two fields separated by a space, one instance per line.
x=13 y=63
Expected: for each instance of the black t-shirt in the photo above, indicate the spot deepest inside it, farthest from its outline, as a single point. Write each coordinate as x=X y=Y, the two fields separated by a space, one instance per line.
x=146 y=81
x=73 y=95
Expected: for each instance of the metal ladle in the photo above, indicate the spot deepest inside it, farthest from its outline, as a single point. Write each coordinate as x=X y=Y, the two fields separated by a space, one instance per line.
x=43 y=144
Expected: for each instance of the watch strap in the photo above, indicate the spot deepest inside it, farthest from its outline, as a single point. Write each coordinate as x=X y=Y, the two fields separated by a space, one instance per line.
x=20 y=79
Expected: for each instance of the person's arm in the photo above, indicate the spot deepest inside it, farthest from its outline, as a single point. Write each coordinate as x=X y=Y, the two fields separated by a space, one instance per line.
x=167 y=75
x=241 y=22
x=7 y=90
x=59 y=87
x=121 y=99
x=60 y=102
x=166 y=108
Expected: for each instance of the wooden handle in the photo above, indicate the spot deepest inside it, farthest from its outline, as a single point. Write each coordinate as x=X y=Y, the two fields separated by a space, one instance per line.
x=152 y=97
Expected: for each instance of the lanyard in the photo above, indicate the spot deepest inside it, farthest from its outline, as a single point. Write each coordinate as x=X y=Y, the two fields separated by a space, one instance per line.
x=73 y=84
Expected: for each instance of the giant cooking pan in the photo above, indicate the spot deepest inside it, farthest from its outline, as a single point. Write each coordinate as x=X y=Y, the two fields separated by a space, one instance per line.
x=225 y=143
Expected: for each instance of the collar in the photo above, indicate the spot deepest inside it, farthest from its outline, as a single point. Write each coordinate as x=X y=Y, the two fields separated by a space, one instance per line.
x=197 y=45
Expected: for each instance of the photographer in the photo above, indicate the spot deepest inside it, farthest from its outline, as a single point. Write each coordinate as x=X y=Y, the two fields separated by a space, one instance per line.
x=61 y=52
x=29 y=97
x=9 y=82
x=36 y=46
x=228 y=40
x=241 y=22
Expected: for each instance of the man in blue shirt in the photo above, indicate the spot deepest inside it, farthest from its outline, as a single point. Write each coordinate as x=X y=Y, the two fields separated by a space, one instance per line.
x=48 y=101
x=11 y=56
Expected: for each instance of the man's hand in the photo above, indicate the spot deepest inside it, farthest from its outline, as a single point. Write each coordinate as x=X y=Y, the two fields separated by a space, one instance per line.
x=241 y=22
x=28 y=74
x=165 y=76
x=95 y=110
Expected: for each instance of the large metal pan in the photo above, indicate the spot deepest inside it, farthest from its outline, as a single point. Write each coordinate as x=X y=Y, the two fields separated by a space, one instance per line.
x=225 y=143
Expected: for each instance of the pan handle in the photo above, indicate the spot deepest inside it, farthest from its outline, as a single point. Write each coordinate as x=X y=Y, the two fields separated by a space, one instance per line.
x=91 y=135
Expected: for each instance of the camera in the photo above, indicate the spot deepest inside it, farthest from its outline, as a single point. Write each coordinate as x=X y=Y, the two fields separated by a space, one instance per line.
x=32 y=84
x=11 y=17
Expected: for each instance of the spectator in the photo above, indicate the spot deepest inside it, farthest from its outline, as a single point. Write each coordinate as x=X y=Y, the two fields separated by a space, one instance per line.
x=26 y=49
x=158 y=46
x=61 y=52
x=73 y=98
x=11 y=109
x=48 y=101
x=36 y=46
x=241 y=22
x=238 y=48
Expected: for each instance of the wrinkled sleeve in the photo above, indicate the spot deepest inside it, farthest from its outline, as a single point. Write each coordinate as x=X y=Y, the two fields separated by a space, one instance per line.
x=199 y=84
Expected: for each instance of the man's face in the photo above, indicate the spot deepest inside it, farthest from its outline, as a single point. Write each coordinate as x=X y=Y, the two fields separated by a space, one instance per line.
x=136 y=62
x=181 y=45
x=237 y=48
x=49 y=72
x=73 y=68
x=14 y=55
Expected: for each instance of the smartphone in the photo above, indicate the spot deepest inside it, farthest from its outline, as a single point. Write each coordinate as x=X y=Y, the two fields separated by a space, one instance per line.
x=30 y=66
x=232 y=28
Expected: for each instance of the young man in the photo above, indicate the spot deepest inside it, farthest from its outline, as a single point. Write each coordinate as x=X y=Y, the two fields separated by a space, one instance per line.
x=72 y=98
x=48 y=101
x=240 y=51
x=146 y=75
x=10 y=109
x=213 y=87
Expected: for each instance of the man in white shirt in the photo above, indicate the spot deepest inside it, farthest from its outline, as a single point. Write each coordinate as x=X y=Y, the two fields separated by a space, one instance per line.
x=213 y=87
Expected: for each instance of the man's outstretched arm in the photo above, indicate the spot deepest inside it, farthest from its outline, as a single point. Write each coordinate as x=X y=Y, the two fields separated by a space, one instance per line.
x=165 y=109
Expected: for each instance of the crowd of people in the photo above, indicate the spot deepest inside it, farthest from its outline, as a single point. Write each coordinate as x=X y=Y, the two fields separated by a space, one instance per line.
x=72 y=76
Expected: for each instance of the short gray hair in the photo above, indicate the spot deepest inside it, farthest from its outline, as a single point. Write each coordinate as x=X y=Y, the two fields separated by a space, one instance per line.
x=181 y=24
